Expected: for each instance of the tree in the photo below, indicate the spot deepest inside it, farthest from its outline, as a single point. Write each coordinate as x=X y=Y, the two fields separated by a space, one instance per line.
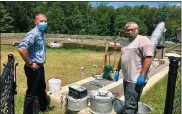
x=82 y=18
x=5 y=20
x=22 y=14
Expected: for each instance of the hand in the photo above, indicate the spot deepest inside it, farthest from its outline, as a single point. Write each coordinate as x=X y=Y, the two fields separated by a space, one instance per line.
x=141 y=80
x=161 y=61
x=116 y=69
x=35 y=66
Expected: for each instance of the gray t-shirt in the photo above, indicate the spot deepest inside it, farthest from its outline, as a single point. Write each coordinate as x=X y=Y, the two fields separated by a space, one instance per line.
x=132 y=57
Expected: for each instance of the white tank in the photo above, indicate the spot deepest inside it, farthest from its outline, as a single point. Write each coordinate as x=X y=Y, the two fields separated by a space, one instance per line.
x=101 y=102
x=77 y=104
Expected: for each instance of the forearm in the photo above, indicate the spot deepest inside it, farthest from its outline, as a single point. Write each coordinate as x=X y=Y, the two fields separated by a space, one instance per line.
x=24 y=55
x=146 y=65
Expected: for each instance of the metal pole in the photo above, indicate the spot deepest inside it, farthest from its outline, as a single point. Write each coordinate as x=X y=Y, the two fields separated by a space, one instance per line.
x=172 y=75
x=94 y=69
x=82 y=72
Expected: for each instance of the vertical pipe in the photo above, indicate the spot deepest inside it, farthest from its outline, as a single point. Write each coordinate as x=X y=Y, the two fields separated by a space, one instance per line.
x=172 y=75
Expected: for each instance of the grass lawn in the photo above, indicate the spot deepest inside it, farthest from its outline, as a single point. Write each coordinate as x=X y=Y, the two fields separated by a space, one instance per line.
x=156 y=96
x=65 y=65
x=60 y=63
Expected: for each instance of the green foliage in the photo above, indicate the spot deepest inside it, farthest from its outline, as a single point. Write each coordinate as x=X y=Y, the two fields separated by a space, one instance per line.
x=22 y=15
x=169 y=43
x=81 y=18
x=5 y=20
x=126 y=14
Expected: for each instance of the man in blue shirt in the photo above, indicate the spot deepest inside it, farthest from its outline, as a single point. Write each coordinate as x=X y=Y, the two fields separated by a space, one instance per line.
x=33 y=51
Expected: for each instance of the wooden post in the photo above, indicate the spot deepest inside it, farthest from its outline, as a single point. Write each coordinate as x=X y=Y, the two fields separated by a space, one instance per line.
x=115 y=48
x=104 y=60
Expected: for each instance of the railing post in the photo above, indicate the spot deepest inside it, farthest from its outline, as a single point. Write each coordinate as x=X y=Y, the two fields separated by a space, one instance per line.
x=172 y=75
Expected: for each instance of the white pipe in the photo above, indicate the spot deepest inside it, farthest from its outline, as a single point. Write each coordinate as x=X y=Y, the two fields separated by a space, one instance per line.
x=157 y=34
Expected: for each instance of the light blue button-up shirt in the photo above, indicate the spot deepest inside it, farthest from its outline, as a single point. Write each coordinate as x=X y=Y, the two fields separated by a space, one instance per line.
x=34 y=42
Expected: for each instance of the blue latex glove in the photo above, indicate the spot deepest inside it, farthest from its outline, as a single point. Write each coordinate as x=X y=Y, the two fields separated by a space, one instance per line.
x=141 y=80
x=116 y=76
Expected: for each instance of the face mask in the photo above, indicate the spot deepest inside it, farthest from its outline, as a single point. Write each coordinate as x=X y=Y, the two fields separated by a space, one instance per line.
x=42 y=25
x=131 y=35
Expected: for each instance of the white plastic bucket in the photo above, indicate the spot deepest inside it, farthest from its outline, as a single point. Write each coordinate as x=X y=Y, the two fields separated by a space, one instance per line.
x=54 y=86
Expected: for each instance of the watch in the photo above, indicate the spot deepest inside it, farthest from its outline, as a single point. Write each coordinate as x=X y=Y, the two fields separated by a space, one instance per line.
x=30 y=64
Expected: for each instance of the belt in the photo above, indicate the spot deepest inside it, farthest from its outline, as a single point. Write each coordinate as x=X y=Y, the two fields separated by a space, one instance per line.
x=39 y=64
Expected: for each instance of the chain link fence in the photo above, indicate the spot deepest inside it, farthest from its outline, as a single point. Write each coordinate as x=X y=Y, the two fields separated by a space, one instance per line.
x=7 y=87
x=177 y=94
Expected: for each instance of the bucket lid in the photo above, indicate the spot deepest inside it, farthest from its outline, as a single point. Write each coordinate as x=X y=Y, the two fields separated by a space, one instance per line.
x=101 y=94
x=54 y=80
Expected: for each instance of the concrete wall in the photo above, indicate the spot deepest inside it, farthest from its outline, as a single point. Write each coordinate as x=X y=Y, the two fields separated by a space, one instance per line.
x=21 y=35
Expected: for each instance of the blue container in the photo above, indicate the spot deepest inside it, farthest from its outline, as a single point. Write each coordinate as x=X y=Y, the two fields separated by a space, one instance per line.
x=116 y=76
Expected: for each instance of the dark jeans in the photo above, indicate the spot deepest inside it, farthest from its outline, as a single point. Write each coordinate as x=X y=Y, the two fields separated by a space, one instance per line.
x=36 y=87
x=132 y=93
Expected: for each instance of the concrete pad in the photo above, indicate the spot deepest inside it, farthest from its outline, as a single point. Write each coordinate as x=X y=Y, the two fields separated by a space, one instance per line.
x=156 y=74
x=87 y=111
x=112 y=85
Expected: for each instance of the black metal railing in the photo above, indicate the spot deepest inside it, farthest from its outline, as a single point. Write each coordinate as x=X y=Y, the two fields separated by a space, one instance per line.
x=8 y=87
x=173 y=94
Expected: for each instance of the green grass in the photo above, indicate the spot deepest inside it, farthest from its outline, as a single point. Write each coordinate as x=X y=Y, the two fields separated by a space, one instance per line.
x=64 y=64
x=78 y=50
x=19 y=103
x=8 y=48
x=156 y=96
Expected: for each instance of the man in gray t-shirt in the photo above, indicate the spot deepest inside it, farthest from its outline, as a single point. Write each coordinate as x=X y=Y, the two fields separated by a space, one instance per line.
x=135 y=61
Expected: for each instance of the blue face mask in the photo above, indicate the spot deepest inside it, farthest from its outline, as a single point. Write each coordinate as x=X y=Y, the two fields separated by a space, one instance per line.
x=42 y=25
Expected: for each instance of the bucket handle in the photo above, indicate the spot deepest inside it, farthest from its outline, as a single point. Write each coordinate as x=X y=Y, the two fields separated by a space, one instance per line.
x=106 y=94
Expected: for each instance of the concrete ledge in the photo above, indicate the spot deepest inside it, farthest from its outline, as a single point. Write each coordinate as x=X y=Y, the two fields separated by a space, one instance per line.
x=153 y=80
x=112 y=85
